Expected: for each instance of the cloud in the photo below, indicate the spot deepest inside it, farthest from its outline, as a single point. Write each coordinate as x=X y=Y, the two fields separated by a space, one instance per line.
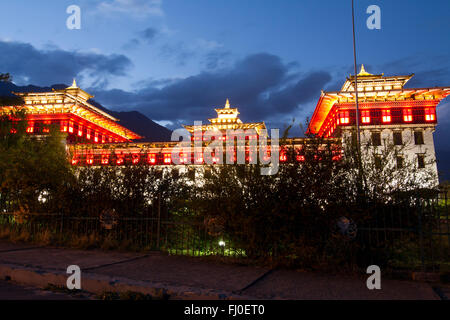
x=260 y=85
x=137 y=8
x=149 y=34
x=46 y=67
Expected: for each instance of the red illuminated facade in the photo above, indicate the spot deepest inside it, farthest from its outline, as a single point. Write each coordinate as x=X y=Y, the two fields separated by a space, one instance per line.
x=383 y=101
x=70 y=111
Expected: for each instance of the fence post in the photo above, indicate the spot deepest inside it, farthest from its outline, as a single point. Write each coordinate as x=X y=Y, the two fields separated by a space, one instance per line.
x=422 y=254
x=159 y=222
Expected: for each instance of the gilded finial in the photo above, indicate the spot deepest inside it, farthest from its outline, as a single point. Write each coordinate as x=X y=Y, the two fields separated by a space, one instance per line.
x=227 y=104
x=74 y=84
x=363 y=72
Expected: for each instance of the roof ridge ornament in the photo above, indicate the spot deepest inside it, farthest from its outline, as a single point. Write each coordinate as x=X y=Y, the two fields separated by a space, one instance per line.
x=74 y=85
x=227 y=104
x=363 y=72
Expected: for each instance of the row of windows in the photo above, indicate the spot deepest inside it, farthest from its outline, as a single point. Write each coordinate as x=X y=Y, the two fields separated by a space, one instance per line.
x=398 y=138
x=71 y=127
x=386 y=115
x=400 y=162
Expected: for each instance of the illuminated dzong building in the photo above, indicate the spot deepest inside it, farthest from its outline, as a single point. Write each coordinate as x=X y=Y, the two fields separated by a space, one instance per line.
x=389 y=113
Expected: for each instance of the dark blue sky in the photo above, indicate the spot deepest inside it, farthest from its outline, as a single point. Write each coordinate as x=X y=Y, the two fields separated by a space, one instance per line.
x=174 y=60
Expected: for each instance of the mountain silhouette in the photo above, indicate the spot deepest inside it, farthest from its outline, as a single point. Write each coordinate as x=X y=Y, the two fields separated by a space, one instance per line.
x=133 y=120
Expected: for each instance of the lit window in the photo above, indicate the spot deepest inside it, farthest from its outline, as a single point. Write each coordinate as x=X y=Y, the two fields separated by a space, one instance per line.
x=365 y=115
x=300 y=158
x=135 y=158
x=63 y=126
x=96 y=137
x=88 y=134
x=105 y=159
x=199 y=158
x=74 y=161
x=90 y=159
x=386 y=116
x=283 y=157
x=151 y=158
x=429 y=114
x=345 y=118
x=80 y=130
x=167 y=158
x=119 y=160
x=336 y=157
x=103 y=138
x=30 y=128
x=70 y=126
x=407 y=115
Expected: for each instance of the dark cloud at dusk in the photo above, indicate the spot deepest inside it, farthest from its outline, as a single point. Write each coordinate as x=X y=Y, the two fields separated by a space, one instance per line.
x=29 y=65
x=257 y=84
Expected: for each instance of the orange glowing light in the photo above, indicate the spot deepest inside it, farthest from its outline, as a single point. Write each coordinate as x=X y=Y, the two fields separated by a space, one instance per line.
x=135 y=158
x=90 y=159
x=429 y=114
x=386 y=115
x=167 y=158
x=365 y=116
x=344 y=117
x=151 y=158
x=407 y=115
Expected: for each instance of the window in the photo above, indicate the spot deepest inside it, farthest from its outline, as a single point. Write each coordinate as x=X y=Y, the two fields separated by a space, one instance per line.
x=399 y=162
x=365 y=116
x=376 y=139
x=407 y=115
x=429 y=114
x=398 y=138
x=418 y=137
x=378 y=162
x=80 y=130
x=105 y=159
x=63 y=126
x=151 y=158
x=345 y=117
x=386 y=116
x=30 y=128
x=135 y=158
x=421 y=161
x=167 y=158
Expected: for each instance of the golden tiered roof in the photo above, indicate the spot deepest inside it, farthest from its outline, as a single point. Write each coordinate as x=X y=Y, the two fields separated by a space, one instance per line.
x=227 y=119
x=72 y=100
x=372 y=88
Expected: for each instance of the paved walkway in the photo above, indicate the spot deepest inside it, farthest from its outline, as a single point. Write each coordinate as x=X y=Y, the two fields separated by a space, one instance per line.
x=185 y=277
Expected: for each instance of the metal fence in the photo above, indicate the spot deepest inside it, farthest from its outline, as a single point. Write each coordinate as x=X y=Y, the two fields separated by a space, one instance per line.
x=409 y=237
x=174 y=236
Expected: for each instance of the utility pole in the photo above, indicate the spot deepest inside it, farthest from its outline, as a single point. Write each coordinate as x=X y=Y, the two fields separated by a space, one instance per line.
x=358 y=136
